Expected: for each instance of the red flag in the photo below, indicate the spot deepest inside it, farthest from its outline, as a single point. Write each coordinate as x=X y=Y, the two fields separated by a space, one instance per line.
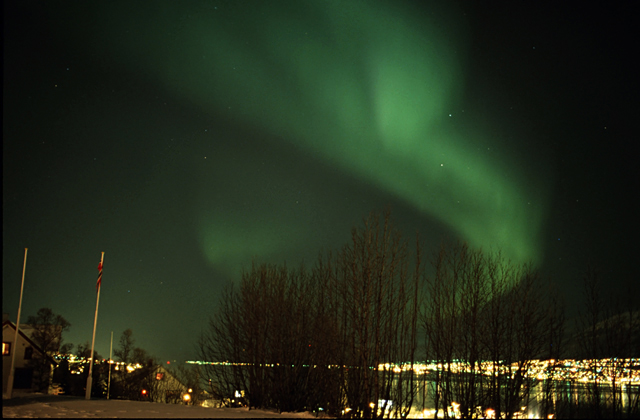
x=99 y=282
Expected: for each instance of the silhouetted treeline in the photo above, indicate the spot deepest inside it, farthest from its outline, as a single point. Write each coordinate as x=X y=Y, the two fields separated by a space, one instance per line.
x=309 y=339
x=342 y=336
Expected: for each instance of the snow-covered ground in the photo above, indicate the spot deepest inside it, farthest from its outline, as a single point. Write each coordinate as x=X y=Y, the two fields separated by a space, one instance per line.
x=38 y=406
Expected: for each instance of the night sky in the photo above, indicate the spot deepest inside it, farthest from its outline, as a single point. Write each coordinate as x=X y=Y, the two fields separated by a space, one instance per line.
x=185 y=139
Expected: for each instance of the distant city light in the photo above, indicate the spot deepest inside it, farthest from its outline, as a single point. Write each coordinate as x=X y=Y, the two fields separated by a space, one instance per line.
x=624 y=371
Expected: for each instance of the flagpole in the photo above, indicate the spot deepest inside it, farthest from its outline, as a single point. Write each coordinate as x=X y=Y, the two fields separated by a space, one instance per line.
x=15 y=339
x=93 y=340
x=109 y=381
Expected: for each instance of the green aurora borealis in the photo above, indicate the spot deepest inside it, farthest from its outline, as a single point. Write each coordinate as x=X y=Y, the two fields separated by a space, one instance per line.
x=187 y=138
x=366 y=87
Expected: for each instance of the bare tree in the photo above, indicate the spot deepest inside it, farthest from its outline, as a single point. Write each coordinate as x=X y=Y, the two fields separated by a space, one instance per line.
x=137 y=373
x=484 y=325
x=620 y=325
x=527 y=336
x=453 y=321
x=378 y=295
x=222 y=344
x=125 y=352
x=590 y=339
x=327 y=341
x=46 y=330
x=555 y=339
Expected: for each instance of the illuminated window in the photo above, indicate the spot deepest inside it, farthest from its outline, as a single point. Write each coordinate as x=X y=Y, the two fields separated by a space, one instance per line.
x=6 y=349
x=159 y=376
x=28 y=353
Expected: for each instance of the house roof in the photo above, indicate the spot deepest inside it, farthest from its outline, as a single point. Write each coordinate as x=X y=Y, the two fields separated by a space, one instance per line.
x=11 y=325
x=163 y=370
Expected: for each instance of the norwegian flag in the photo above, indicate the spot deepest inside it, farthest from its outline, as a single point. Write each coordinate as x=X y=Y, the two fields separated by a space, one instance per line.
x=99 y=282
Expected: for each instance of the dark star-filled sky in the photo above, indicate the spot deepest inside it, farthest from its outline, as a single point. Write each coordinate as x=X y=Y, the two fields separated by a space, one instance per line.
x=185 y=139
